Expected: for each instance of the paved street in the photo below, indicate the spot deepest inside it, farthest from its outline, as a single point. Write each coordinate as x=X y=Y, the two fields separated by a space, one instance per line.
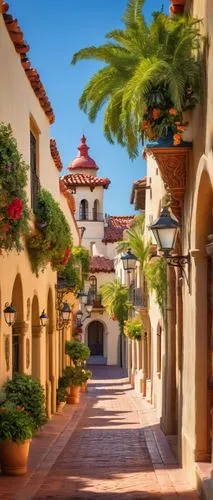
x=111 y=448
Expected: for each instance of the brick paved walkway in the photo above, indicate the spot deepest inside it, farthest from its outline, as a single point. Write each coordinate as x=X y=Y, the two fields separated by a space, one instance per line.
x=109 y=448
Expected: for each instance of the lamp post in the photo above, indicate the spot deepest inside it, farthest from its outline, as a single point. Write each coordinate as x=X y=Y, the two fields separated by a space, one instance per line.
x=165 y=230
x=129 y=261
x=9 y=314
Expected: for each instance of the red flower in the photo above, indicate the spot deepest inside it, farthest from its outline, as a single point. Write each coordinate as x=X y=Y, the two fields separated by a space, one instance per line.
x=66 y=257
x=15 y=209
x=113 y=317
x=156 y=113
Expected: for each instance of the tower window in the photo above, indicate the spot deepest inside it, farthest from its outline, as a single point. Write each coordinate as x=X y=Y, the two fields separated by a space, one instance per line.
x=95 y=210
x=83 y=212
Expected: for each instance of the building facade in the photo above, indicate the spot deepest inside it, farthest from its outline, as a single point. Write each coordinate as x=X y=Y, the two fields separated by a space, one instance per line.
x=27 y=347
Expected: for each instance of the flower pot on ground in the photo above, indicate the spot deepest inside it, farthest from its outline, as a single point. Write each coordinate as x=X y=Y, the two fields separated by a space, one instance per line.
x=61 y=398
x=26 y=392
x=75 y=376
x=77 y=351
x=16 y=429
x=86 y=375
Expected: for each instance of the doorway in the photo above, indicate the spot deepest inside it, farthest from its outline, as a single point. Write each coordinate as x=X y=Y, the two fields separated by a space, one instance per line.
x=96 y=338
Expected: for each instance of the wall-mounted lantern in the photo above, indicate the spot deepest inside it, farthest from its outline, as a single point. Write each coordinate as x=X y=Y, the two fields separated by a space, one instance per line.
x=43 y=318
x=9 y=314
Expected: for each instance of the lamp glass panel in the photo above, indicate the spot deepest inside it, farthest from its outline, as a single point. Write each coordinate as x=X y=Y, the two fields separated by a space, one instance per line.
x=89 y=308
x=167 y=238
x=66 y=315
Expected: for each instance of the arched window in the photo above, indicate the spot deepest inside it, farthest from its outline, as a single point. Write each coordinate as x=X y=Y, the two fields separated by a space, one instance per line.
x=93 y=286
x=96 y=210
x=83 y=211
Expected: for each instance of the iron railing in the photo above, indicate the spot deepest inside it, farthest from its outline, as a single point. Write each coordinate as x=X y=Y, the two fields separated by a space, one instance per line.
x=91 y=216
x=139 y=298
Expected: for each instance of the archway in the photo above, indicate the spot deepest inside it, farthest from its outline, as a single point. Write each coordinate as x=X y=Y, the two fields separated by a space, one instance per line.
x=203 y=318
x=96 y=338
x=36 y=339
x=96 y=210
x=83 y=210
x=18 y=329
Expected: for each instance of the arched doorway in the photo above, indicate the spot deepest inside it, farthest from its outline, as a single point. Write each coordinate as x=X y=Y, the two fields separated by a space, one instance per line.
x=96 y=338
x=83 y=210
x=18 y=329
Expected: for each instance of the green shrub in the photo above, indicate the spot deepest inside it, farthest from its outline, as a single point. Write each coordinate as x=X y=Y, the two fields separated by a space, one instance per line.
x=75 y=375
x=53 y=240
x=15 y=424
x=134 y=328
x=25 y=391
x=86 y=374
x=77 y=351
x=61 y=394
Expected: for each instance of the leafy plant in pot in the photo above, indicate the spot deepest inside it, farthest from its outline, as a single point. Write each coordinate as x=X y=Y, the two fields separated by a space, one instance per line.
x=75 y=376
x=61 y=398
x=16 y=430
x=86 y=374
x=134 y=328
x=77 y=351
x=25 y=391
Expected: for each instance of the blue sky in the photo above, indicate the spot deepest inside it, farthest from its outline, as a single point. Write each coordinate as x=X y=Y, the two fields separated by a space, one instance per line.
x=54 y=31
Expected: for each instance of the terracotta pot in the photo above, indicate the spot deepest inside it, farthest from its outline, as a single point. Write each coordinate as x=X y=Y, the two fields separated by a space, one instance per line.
x=84 y=387
x=60 y=406
x=177 y=2
x=14 y=457
x=74 y=396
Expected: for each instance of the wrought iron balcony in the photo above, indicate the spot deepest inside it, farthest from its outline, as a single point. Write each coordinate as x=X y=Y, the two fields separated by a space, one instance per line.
x=91 y=216
x=139 y=298
x=95 y=300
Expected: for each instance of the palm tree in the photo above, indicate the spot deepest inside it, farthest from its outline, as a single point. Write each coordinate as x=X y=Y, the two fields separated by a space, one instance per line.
x=115 y=299
x=142 y=63
x=134 y=239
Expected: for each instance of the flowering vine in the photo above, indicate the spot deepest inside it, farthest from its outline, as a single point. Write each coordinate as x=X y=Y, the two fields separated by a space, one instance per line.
x=14 y=213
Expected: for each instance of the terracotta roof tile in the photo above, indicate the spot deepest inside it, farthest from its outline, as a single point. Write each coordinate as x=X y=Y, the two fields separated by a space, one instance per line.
x=83 y=160
x=73 y=180
x=22 y=48
x=55 y=155
x=101 y=264
x=116 y=225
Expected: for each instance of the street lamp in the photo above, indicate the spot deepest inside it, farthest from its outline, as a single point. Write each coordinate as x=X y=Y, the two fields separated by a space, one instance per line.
x=129 y=261
x=65 y=313
x=9 y=314
x=165 y=230
x=43 y=318
x=79 y=314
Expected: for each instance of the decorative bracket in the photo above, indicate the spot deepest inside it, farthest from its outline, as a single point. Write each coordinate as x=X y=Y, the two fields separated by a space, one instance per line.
x=173 y=163
x=179 y=261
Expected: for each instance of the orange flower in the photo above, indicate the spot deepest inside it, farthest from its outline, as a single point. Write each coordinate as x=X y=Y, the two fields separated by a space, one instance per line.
x=172 y=111
x=145 y=125
x=181 y=128
x=176 y=139
x=156 y=113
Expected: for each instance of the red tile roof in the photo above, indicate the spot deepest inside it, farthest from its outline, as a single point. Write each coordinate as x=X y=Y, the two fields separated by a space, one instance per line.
x=22 y=48
x=55 y=155
x=73 y=180
x=101 y=264
x=116 y=225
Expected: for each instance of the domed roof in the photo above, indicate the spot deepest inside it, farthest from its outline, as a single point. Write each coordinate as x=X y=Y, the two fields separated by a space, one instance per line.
x=83 y=160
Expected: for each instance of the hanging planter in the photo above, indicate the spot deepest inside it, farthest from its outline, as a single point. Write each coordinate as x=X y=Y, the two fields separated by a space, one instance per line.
x=53 y=240
x=14 y=212
x=134 y=328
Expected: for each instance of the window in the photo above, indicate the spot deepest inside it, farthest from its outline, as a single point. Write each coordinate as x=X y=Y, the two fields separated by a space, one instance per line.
x=33 y=171
x=93 y=285
x=83 y=212
x=95 y=210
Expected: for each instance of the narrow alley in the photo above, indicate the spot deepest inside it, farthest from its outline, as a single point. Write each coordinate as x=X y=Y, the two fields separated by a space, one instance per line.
x=110 y=448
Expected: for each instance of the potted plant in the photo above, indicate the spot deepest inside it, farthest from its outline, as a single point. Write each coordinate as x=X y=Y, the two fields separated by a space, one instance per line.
x=77 y=351
x=61 y=397
x=134 y=328
x=75 y=376
x=86 y=375
x=16 y=429
x=25 y=391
